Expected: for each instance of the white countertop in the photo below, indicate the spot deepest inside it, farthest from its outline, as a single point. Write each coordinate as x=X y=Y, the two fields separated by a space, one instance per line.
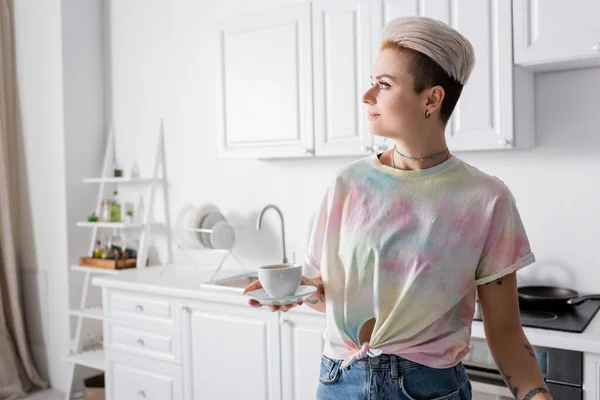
x=185 y=282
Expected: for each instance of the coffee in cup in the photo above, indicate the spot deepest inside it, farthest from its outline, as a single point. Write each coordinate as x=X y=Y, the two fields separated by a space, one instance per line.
x=280 y=280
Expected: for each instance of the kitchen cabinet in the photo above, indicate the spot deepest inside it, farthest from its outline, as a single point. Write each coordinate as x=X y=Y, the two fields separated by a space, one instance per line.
x=342 y=66
x=264 y=85
x=167 y=338
x=553 y=34
x=230 y=352
x=304 y=98
x=301 y=351
x=496 y=108
x=139 y=378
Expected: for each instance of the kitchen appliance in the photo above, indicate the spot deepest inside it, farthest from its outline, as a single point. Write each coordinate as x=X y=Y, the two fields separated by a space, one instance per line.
x=552 y=294
x=559 y=317
x=562 y=370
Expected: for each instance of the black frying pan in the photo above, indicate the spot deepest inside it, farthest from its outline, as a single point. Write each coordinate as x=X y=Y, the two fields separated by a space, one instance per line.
x=554 y=295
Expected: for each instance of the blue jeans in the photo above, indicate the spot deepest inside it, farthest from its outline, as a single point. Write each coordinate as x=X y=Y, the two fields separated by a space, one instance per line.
x=391 y=377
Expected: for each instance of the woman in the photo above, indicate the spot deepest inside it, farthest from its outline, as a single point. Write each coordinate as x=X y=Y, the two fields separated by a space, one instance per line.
x=405 y=239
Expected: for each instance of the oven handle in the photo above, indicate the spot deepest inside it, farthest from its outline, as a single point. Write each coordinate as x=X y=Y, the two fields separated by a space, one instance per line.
x=488 y=383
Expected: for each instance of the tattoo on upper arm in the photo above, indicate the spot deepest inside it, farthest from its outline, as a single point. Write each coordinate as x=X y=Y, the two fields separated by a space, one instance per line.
x=498 y=282
x=533 y=392
x=530 y=350
x=312 y=301
x=513 y=389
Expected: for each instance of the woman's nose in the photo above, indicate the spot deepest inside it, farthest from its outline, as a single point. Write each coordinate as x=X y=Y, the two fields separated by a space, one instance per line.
x=368 y=97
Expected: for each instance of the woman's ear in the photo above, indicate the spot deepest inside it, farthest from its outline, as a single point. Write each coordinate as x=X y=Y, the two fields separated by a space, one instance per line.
x=434 y=99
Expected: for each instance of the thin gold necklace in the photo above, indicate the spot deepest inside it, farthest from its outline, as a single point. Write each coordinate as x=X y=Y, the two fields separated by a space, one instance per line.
x=394 y=162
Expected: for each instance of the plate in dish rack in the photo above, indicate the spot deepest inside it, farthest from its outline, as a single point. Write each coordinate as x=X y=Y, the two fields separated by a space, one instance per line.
x=302 y=293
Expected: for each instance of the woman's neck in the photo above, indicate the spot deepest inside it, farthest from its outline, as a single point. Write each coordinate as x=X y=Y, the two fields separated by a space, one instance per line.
x=432 y=153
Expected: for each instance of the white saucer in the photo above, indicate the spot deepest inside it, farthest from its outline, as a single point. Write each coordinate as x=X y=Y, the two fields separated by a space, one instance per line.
x=303 y=292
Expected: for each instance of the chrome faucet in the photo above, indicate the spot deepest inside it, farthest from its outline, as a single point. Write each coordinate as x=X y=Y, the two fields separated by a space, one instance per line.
x=259 y=220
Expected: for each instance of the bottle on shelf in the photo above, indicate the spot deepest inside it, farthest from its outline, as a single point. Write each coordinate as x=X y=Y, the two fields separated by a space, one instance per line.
x=115 y=208
x=105 y=211
x=98 y=250
x=140 y=211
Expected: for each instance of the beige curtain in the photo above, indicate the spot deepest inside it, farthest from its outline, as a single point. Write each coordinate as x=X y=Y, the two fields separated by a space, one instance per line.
x=17 y=371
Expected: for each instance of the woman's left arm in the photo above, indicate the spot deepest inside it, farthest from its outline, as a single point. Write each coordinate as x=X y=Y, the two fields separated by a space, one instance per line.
x=514 y=356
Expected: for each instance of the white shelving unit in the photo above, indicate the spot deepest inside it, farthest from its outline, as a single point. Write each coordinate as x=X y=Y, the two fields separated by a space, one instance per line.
x=94 y=358
x=109 y=225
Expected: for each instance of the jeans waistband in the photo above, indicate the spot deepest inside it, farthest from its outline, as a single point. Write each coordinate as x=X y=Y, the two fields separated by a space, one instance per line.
x=383 y=362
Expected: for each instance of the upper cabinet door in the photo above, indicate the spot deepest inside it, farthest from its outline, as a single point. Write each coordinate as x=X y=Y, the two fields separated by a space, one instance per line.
x=549 y=31
x=265 y=84
x=342 y=65
x=483 y=117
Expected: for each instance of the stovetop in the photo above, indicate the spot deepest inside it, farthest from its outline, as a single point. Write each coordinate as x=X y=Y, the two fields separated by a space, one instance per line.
x=564 y=318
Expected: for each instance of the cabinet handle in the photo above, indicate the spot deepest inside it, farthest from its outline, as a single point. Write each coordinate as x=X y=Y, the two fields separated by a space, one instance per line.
x=140 y=342
x=596 y=47
x=283 y=321
x=139 y=308
x=503 y=142
x=141 y=394
x=309 y=152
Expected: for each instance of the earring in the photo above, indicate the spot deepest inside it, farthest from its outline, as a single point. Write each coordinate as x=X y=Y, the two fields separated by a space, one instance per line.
x=427 y=115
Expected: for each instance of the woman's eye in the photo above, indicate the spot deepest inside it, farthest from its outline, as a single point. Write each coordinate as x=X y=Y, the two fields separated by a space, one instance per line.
x=382 y=85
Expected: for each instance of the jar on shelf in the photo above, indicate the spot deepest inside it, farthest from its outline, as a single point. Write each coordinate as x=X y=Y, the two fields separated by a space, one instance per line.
x=129 y=213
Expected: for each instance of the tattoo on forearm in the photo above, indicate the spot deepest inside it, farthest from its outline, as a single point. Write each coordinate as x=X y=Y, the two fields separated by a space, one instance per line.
x=533 y=392
x=530 y=350
x=321 y=294
x=513 y=389
x=498 y=282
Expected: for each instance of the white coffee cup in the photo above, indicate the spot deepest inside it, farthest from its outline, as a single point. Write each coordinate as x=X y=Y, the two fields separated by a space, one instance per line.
x=280 y=280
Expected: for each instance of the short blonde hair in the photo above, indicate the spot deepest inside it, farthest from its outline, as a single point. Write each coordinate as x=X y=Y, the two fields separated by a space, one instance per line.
x=435 y=39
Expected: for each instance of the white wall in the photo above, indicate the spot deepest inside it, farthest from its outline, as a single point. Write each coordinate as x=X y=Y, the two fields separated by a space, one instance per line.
x=164 y=64
x=61 y=83
x=44 y=234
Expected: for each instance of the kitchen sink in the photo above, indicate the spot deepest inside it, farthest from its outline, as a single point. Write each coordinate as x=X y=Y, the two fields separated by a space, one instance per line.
x=234 y=282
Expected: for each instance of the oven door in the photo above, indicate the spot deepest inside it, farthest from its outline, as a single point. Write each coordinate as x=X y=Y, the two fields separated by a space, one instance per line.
x=487 y=386
x=562 y=371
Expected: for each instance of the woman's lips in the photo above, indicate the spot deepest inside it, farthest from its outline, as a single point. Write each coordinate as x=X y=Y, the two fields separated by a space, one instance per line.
x=372 y=116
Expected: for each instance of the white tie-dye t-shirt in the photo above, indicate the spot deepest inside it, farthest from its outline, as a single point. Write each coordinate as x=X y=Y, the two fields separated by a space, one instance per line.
x=408 y=248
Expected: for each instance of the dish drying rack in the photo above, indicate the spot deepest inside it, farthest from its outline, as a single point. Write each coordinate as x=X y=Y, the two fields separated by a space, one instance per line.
x=217 y=268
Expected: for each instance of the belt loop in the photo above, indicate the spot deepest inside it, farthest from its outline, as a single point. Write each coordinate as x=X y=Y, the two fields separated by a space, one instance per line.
x=394 y=366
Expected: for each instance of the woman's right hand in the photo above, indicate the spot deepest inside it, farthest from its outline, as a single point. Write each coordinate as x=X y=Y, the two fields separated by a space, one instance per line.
x=286 y=307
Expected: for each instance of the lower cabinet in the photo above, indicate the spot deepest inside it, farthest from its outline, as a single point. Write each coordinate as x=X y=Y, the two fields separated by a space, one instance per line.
x=224 y=349
x=230 y=352
x=301 y=351
x=129 y=377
